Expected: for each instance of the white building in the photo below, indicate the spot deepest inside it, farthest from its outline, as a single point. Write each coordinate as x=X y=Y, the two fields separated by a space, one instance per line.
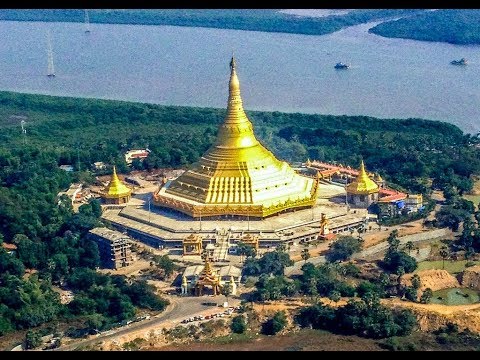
x=136 y=154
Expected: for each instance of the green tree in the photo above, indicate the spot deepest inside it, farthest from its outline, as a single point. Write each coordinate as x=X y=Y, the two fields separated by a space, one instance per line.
x=305 y=255
x=165 y=264
x=238 y=325
x=416 y=282
x=426 y=296
x=272 y=262
x=343 y=248
x=393 y=241
x=94 y=323
x=226 y=290
x=409 y=246
x=33 y=339
x=275 y=324
x=246 y=250
x=444 y=254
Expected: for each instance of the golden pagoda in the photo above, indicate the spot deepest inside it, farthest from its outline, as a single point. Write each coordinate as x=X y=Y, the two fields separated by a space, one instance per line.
x=207 y=277
x=363 y=191
x=237 y=175
x=116 y=192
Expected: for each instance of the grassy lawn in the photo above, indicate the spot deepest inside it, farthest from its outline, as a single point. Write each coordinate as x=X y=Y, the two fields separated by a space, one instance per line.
x=453 y=267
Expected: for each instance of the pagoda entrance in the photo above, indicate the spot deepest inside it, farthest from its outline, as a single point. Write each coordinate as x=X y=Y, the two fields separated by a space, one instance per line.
x=207 y=278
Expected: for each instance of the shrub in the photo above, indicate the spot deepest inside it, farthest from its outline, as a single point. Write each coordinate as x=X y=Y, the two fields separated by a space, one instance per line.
x=238 y=324
x=275 y=324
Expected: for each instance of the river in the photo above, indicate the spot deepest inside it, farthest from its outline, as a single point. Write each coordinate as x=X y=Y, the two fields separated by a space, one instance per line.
x=388 y=78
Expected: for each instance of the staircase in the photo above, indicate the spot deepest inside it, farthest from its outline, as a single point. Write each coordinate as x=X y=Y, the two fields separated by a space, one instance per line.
x=222 y=241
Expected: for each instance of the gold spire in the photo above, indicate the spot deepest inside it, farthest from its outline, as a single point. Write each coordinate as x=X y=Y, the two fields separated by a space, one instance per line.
x=362 y=184
x=116 y=188
x=236 y=130
x=207 y=270
x=237 y=175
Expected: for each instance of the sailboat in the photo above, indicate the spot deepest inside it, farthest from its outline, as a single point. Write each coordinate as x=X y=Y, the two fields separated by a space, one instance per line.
x=87 y=22
x=51 y=68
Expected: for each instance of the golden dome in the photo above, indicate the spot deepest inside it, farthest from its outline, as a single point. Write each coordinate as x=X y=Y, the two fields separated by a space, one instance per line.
x=237 y=175
x=362 y=184
x=116 y=189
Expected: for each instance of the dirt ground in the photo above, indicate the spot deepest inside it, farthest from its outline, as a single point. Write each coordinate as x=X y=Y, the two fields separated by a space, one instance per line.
x=304 y=340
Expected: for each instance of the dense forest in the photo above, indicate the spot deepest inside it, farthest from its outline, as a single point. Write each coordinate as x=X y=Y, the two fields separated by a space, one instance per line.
x=53 y=251
x=83 y=131
x=239 y=19
x=455 y=26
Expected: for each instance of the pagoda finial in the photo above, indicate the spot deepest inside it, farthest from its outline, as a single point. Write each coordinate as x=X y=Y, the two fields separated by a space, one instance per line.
x=232 y=62
x=362 y=168
x=235 y=112
x=234 y=83
x=207 y=269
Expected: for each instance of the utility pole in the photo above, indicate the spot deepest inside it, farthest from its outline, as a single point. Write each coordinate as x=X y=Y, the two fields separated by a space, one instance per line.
x=51 y=68
x=78 y=157
x=24 y=132
x=346 y=194
x=87 y=22
x=149 y=213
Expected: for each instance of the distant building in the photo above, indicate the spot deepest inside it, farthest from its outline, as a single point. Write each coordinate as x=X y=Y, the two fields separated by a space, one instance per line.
x=9 y=248
x=195 y=277
x=75 y=193
x=414 y=202
x=136 y=154
x=114 y=247
x=67 y=168
x=99 y=165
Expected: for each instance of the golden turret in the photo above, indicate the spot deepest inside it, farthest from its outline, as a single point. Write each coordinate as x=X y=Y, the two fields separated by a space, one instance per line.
x=116 y=188
x=237 y=175
x=362 y=185
x=207 y=277
x=116 y=192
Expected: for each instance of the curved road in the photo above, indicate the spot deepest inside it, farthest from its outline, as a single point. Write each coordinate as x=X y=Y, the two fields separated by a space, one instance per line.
x=179 y=309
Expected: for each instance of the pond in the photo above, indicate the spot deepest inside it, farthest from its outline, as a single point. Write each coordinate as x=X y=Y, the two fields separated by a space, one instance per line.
x=455 y=296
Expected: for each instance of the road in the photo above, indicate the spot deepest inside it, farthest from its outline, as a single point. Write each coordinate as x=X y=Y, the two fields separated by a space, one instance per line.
x=365 y=253
x=179 y=309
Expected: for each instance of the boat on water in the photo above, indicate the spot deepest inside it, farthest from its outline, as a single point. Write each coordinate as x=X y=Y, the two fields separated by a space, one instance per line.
x=341 y=65
x=462 y=61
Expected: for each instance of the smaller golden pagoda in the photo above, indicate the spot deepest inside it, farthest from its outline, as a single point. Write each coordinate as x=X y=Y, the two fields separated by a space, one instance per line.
x=192 y=245
x=207 y=277
x=251 y=240
x=116 y=192
x=363 y=191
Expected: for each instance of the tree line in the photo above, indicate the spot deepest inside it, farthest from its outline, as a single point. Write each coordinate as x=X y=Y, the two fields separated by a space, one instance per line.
x=455 y=26
x=239 y=19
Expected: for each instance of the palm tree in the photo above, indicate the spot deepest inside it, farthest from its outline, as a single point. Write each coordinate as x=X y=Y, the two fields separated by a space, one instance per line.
x=409 y=246
x=226 y=290
x=305 y=254
x=444 y=254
